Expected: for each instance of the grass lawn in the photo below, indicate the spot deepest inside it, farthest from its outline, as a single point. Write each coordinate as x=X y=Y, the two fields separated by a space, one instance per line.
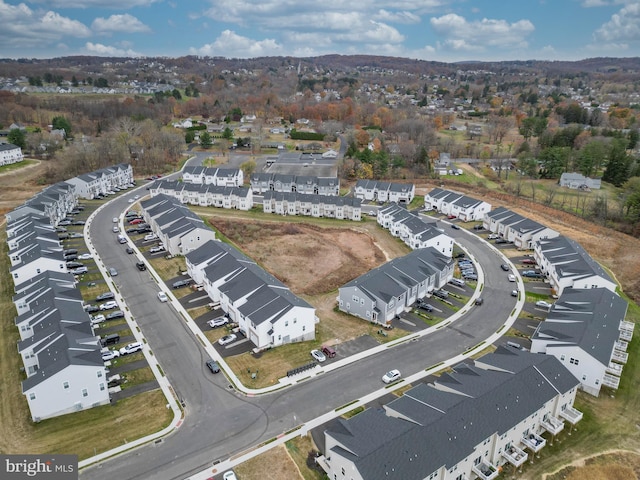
x=17 y=166
x=167 y=269
x=136 y=377
x=198 y=311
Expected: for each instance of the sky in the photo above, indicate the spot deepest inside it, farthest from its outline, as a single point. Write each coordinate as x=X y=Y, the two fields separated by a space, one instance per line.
x=440 y=30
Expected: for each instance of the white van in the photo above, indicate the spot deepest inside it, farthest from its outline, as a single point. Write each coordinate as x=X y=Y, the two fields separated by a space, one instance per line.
x=122 y=239
x=457 y=281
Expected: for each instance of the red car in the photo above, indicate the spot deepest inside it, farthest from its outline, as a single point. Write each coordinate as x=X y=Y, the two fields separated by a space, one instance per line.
x=451 y=217
x=135 y=221
x=529 y=261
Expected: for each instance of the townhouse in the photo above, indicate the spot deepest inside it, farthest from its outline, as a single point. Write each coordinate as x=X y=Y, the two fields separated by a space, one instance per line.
x=567 y=265
x=266 y=311
x=496 y=410
x=53 y=203
x=222 y=177
x=99 y=182
x=306 y=184
x=10 y=153
x=413 y=230
x=178 y=228
x=381 y=294
x=292 y=203
x=587 y=332
x=205 y=195
x=382 y=192
x=521 y=231
x=456 y=205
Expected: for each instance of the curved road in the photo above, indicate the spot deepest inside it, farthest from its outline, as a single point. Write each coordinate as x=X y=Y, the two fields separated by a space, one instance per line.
x=220 y=422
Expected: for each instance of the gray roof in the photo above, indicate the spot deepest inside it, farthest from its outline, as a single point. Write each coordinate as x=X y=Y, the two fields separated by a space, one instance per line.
x=569 y=259
x=440 y=428
x=588 y=318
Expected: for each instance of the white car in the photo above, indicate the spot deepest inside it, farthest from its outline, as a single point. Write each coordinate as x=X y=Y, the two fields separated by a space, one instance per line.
x=85 y=256
x=97 y=319
x=130 y=200
x=115 y=220
x=227 y=339
x=115 y=229
x=229 y=475
x=150 y=236
x=156 y=249
x=543 y=304
x=512 y=277
x=110 y=355
x=162 y=297
x=391 y=376
x=109 y=305
x=218 y=321
x=131 y=348
x=318 y=355
x=137 y=197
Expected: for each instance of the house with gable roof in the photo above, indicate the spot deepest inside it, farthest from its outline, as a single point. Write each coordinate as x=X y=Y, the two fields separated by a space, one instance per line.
x=456 y=205
x=520 y=230
x=587 y=332
x=466 y=424
x=10 y=153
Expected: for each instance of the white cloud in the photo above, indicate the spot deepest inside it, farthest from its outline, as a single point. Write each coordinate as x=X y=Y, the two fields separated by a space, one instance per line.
x=459 y=34
x=397 y=17
x=119 y=23
x=108 y=51
x=24 y=27
x=230 y=44
x=113 y=4
x=604 y=3
x=623 y=26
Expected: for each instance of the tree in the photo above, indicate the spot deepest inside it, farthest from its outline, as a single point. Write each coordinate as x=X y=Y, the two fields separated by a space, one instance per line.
x=189 y=136
x=17 y=137
x=227 y=134
x=205 y=140
x=619 y=163
x=589 y=157
x=248 y=167
x=553 y=161
x=176 y=94
x=61 y=123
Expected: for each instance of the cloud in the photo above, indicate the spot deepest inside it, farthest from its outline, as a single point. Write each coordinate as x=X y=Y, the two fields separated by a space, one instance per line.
x=397 y=17
x=473 y=36
x=119 y=23
x=113 y=4
x=623 y=26
x=604 y=3
x=230 y=44
x=108 y=51
x=24 y=27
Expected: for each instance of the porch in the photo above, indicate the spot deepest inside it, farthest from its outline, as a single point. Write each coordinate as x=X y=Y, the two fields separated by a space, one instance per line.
x=515 y=456
x=552 y=425
x=534 y=442
x=485 y=471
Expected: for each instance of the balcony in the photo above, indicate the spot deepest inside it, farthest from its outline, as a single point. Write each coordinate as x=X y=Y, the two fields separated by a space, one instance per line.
x=614 y=369
x=552 y=425
x=620 y=357
x=486 y=471
x=515 y=456
x=534 y=441
x=621 y=345
x=572 y=415
x=626 y=335
x=611 y=381
x=627 y=326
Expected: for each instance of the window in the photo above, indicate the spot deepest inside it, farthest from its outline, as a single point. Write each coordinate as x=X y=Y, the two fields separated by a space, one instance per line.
x=304 y=327
x=32 y=396
x=85 y=393
x=584 y=377
x=65 y=385
x=562 y=357
x=102 y=387
x=99 y=373
x=286 y=323
x=597 y=382
x=355 y=298
x=574 y=361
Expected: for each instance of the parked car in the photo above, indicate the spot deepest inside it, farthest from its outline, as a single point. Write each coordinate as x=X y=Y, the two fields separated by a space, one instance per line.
x=85 y=256
x=460 y=255
x=105 y=296
x=131 y=348
x=391 y=376
x=78 y=222
x=129 y=250
x=455 y=227
x=478 y=227
x=505 y=267
x=181 y=283
x=318 y=355
x=493 y=236
x=227 y=339
x=64 y=223
x=109 y=305
x=543 y=304
x=218 y=321
x=76 y=235
x=229 y=475
x=110 y=339
x=479 y=301
x=441 y=293
x=97 y=319
x=528 y=261
x=514 y=293
x=156 y=249
x=74 y=264
x=150 y=236
x=213 y=366
x=141 y=266
x=113 y=272
x=329 y=351
x=91 y=308
x=110 y=355
x=69 y=251
x=135 y=221
x=501 y=240
x=471 y=276
x=162 y=297
x=114 y=315
x=79 y=270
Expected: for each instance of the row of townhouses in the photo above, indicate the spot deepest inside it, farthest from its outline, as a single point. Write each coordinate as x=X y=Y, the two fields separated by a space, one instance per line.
x=178 y=228
x=414 y=231
x=60 y=351
x=101 y=182
x=266 y=311
x=222 y=177
x=513 y=227
x=381 y=294
x=205 y=195
x=307 y=184
x=291 y=203
x=456 y=205
x=383 y=192
x=10 y=153
x=467 y=424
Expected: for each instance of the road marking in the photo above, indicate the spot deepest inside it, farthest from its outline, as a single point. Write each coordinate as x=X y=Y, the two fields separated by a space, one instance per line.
x=407 y=322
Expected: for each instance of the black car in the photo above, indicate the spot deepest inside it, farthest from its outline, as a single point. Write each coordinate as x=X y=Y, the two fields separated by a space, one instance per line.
x=213 y=366
x=105 y=296
x=129 y=250
x=505 y=267
x=461 y=255
x=131 y=230
x=69 y=257
x=69 y=251
x=141 y=266
x=74 y=264
x=501 y=240
x=425 y=306
x=181 y=283
x=455 y=227
x=77 y=222
x=91 y=308
x=116 y=314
